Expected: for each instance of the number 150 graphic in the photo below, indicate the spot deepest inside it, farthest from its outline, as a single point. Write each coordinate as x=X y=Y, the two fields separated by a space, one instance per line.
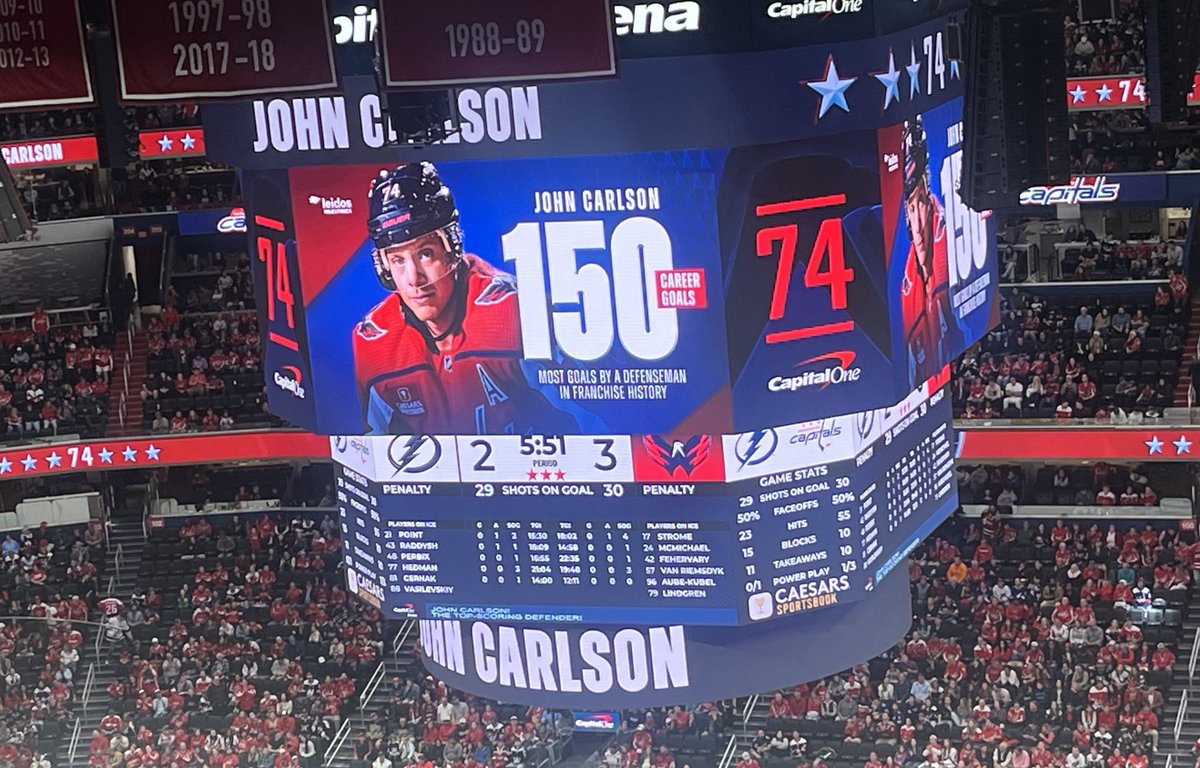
x=826 y=264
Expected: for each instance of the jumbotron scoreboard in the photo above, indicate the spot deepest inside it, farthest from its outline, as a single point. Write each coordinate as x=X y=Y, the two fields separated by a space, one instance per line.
x=695 y=529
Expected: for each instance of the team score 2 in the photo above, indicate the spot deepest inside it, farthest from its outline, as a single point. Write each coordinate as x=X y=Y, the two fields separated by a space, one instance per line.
x=19 y=58
x=825 y=267
x=484 y=39
x=592 y=306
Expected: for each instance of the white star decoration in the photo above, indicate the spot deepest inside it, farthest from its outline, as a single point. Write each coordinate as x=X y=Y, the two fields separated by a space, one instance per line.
x=891 y=81
x=54 y=460
x=188 y=141
x=5 y=466
x=152 y=452
x=914 y=73
x=165 y=143
x=29 y=462
x=1154 y=444
x=1104 y=93
x=1182 y=445
x=105 y=456
x=832 y=89
x=129 y=454
x=1077 y=94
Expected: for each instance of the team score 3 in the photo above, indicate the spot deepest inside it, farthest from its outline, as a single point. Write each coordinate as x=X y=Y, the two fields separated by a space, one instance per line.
x=824 y=268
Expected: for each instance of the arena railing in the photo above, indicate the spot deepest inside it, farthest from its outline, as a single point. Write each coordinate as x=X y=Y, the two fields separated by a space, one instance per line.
x=1180 y=716
x=74 y=747
x=88 y=684
x=335 y=745
x=1193 y=658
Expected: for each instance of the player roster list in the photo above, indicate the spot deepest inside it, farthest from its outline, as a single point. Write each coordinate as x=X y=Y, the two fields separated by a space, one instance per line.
x=706 y=530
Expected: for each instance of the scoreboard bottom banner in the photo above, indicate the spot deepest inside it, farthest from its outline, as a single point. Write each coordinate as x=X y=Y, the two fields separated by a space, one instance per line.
x=570 y=666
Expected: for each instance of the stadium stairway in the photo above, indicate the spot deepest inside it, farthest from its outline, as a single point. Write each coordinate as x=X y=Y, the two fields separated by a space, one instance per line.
x=399 y=658
x=133 y=399
x=1179 y=751
x=1190 y=345
x=122 y=564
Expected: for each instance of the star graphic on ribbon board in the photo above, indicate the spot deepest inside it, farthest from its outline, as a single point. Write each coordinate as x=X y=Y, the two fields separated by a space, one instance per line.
x=1104 y=93
x=29 y=462
x=130 y=455
x=890 y=80
x=166 y=144
x=54 y=460
x=1077 y=94
x=1182 y=445
x=831 y=88
x=914 y=73
x=188 y=141
x=152 y=452
x=5 y=466
x=105 y=456
x=1154 y=444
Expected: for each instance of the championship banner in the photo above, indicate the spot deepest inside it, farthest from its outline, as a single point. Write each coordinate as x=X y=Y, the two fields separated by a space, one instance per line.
x=457 y=42
x=43 y=56
x=222 y=49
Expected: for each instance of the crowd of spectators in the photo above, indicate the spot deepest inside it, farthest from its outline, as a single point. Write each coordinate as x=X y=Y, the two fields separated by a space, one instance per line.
x=204 y=372
x=1024 y=652
x=166 y=116
x=1088 y=257
x=54 y=378
x=1103 y=359
x=1101 y=484
x=246 y=651
x=176 y=185
x=53 y=194
x=50 y=576
x=211 y=281
x=1112 y=46
x=22 y=126
x=1122 y=141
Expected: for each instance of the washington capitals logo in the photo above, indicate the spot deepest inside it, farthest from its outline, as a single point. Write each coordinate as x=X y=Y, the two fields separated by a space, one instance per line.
x=414 y=455
x=684 y=455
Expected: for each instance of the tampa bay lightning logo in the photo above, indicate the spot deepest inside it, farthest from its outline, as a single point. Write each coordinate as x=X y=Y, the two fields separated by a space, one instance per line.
x=865 y=422
x=341 y=443
x=753 y=448
x=678 y=455
x=414 y=455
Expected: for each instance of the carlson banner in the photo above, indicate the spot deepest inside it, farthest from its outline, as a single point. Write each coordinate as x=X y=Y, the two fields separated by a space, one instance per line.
x=43 y=56
x=659 y=665
x=707 y=290
x=664 y=103
x=44 y=153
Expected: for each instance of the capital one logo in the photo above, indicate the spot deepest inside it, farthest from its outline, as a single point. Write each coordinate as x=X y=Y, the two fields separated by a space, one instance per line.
x=842 y=371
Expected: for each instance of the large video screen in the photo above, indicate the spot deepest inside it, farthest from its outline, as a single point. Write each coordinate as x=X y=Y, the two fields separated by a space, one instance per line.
x=695 y=529
x=699 y=292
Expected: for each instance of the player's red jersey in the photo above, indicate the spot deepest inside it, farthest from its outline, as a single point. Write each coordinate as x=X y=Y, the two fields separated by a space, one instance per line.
x=925 y=306
x=477 y=386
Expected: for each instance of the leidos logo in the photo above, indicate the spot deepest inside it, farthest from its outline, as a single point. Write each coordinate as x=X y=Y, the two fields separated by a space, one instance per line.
x=812 y=8
x=656 y=18
x=332 y=206
x=288 y=379
x=1082 y=189
x=823 y=377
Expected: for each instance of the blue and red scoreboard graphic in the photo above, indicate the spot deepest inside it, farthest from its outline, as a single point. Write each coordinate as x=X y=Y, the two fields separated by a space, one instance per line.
x=686 y=292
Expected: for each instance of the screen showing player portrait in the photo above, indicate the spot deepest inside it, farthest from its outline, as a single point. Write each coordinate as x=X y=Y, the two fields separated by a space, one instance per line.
x=707 y=291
